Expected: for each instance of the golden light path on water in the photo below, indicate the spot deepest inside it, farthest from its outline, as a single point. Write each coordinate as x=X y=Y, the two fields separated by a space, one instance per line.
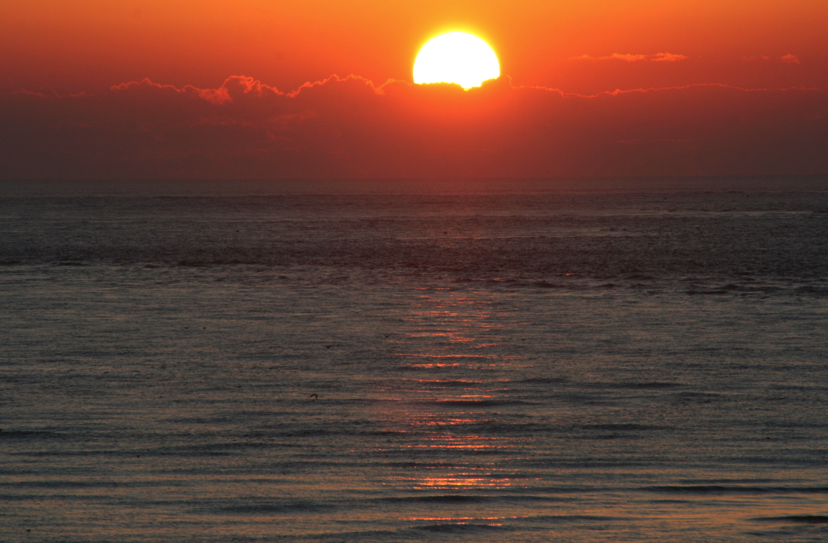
x=453 y=345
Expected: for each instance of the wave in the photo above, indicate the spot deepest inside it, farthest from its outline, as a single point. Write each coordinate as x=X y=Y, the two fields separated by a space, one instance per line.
x=636 y=385
x=274 y=507
x=734 y=489
x=443 y=498
x=460 y=527
x=796 y=519
x=622 y=427
x=476 y=403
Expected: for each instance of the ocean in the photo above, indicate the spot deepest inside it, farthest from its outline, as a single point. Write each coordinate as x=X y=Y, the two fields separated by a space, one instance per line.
x=402 y=360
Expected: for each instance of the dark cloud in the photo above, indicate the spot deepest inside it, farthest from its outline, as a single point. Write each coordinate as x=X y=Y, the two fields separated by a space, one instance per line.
x=351 y=127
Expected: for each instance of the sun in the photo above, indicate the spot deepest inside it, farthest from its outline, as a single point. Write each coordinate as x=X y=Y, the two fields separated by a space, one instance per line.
x=456 y=57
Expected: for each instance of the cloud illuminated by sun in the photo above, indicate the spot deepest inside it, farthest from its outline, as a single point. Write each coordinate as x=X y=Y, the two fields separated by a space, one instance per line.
x=627 y=57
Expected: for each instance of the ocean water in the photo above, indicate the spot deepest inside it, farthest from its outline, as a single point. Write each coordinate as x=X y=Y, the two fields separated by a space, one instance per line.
x=488 y=361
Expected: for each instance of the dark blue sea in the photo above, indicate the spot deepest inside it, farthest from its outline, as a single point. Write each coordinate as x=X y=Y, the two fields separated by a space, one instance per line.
x=381 y=361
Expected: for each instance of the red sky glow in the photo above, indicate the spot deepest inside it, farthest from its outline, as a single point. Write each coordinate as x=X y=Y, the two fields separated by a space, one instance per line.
x=263 y=89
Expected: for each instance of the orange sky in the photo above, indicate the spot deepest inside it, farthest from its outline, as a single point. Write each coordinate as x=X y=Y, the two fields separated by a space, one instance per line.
x=579 y=48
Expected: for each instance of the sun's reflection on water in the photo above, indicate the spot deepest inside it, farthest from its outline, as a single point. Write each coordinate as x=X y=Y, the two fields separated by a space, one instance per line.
x=464 y=479
x=450 y=422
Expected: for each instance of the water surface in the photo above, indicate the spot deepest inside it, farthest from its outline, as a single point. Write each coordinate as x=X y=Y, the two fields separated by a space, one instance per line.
x=375 y=362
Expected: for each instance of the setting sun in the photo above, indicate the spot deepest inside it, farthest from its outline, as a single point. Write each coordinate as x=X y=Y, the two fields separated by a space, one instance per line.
x=456 y=57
